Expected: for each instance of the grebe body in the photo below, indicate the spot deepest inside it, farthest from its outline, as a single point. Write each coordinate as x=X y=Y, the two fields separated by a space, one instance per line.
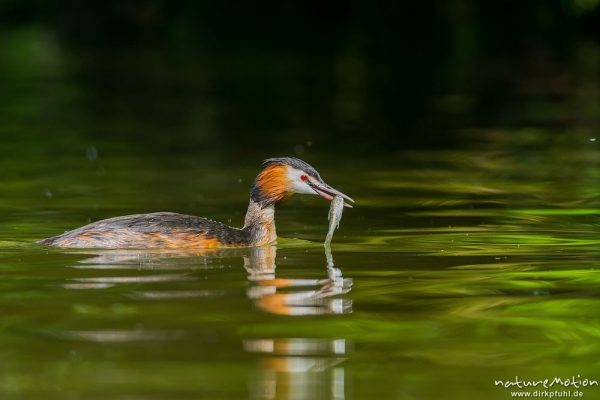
x=155 y=230
x=279 y=179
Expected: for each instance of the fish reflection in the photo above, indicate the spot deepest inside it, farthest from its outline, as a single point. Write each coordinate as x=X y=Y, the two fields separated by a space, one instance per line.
x=298 y=368
x=274 y=295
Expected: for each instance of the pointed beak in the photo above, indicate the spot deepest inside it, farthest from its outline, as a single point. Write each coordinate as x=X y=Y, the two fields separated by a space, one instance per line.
x=328 y=193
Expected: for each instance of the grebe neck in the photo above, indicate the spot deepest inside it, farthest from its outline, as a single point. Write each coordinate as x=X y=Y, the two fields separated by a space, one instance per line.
x=260 y=223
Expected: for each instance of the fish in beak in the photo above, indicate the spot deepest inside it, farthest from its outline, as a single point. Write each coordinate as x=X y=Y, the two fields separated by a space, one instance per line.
x=328 y=193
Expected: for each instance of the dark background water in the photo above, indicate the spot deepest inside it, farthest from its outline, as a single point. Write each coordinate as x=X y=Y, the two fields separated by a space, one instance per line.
x=466 y=131
x=216 y=78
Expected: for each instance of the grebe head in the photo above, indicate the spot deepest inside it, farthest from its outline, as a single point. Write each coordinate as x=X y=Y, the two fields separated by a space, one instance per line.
x=284 y=176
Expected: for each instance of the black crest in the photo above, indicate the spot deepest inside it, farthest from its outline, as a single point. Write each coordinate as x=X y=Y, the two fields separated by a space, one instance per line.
x=293 y=162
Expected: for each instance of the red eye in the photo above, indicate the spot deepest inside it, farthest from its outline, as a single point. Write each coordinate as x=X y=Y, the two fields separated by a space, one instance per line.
x=304 y=178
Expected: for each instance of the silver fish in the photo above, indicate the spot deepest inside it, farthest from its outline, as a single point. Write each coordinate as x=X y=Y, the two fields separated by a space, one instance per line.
x=335 y=215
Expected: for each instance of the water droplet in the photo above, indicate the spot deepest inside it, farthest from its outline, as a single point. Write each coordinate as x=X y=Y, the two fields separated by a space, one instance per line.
x=91 y=153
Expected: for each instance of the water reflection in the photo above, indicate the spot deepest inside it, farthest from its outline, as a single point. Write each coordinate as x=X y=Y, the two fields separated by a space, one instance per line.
x=283 y=296
x=299 y=368
x=122 y=336
x=294 y=296
x=285 y=368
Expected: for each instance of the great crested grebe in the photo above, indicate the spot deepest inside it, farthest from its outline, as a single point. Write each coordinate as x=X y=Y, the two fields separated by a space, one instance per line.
x=279 y=179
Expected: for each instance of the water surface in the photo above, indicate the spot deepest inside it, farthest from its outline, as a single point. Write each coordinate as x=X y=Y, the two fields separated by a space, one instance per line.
x=471 y=255
x=457 y=267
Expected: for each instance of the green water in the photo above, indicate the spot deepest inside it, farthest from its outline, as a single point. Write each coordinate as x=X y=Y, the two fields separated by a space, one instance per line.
x=458 y=267
x=471 y=255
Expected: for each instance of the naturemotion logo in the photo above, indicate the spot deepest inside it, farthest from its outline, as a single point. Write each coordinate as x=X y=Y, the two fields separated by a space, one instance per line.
x=574 y=382
x=547 y=387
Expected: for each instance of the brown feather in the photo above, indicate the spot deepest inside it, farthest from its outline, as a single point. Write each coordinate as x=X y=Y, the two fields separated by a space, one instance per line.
x=274 y=183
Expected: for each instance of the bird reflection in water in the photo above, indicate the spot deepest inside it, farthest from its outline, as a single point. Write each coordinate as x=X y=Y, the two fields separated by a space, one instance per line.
x=299 y=368
x=287 y=368
x=283 y=296
x=294 y=296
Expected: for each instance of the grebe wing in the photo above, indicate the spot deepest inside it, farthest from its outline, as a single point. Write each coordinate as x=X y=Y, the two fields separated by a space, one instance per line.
x=161 y=229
